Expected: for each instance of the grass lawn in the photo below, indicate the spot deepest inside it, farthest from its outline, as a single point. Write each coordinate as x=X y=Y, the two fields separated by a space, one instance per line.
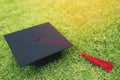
x=92 y=25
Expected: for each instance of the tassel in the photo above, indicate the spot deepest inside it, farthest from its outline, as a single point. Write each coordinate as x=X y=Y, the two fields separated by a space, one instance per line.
x=99 y=62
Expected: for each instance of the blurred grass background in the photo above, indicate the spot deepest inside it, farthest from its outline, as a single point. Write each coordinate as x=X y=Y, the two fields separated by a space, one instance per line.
x=92 y=25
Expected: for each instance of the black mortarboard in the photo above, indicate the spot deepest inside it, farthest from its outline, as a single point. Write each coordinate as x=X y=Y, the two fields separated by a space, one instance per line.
x=36 y=45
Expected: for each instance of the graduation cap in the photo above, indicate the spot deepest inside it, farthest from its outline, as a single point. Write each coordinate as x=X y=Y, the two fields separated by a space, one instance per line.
x=42 y=43
x=36 y=45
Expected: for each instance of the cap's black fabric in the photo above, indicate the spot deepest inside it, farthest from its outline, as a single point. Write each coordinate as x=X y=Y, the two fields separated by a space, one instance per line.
x=35 y=43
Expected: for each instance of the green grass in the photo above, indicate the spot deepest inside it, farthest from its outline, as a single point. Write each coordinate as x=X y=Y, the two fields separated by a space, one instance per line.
x=92 y=25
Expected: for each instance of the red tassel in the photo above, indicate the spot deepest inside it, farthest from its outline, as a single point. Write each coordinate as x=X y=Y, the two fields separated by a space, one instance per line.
x=99 y=62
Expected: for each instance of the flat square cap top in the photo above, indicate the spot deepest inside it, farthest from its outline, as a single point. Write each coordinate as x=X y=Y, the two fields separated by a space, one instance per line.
x=35 y=43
